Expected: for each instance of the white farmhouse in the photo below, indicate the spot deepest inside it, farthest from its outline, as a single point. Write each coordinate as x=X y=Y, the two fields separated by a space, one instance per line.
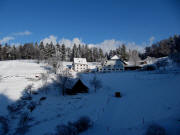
x=114 y=64
x=80 y=65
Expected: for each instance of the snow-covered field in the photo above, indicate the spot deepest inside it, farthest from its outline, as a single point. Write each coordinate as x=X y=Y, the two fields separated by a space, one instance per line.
x=147 y=98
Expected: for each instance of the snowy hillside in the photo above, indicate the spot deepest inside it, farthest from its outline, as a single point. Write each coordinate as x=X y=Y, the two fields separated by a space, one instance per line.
x=147 y=97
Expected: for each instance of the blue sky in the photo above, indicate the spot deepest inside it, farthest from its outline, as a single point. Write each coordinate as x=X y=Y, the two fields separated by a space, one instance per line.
x=91 y=21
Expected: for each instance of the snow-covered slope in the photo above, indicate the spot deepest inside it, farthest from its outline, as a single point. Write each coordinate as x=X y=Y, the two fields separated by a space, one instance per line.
x=15 y=76
x=146 y=98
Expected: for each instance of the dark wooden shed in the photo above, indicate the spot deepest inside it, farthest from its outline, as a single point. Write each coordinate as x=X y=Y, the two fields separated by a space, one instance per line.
x=79 y=87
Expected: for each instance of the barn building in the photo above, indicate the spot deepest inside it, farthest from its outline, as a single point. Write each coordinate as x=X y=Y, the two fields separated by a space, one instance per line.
x=114 y=64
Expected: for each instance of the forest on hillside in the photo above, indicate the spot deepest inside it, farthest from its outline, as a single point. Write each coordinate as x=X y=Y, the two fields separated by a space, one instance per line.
x=167 y=47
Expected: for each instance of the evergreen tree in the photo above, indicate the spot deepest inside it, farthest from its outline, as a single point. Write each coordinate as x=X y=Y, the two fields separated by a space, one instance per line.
x=74 y=52
x=58 y=51
x=13 y=53
x=42 y=50
x=79 y=51
x=5 y=53
x=21 y=52
x=95 y=56
x=49 y=50
x=124 y=54
x=101 y=54
x=37 y=51
x=63 y=51
x=111 y=54
x=69 y=53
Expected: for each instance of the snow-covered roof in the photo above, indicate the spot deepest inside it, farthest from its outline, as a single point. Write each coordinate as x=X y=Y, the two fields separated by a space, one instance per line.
x=115 y=57
x=80 y=61
x=112 y=62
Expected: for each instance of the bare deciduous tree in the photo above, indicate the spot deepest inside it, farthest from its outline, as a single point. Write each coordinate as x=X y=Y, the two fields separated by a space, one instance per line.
x=63 y=80
x=134 y=57
x=95 y=82
x=57 y=65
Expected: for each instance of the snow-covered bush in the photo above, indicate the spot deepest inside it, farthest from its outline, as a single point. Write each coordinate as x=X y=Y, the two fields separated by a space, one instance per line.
x=32 y=106
x=23 y=125
x=64 y=130
x=83 y=124
x=17 y=106
x=22 y=130
x=4 y=127
x=155 y=130
x=162 y=64
x=27 y=92
x=74 y=128
x=24 y=119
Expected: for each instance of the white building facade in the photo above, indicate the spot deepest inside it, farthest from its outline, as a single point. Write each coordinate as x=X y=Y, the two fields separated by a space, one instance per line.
x=80 y=65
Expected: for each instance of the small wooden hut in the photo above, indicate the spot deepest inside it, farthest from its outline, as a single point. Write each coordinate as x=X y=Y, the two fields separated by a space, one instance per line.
x=79 y=87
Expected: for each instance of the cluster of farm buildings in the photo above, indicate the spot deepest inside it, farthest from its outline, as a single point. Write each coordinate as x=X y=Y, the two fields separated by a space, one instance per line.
x=113 y=64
